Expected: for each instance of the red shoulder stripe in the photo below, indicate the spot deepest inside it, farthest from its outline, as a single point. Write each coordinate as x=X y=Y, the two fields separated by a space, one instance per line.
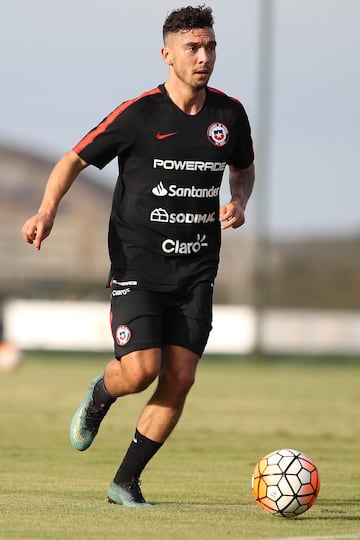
x=85 y=141
x=223 y=94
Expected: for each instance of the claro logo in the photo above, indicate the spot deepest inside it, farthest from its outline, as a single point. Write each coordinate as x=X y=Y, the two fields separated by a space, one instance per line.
x=121 y=292
x=187 y=165
x=171 y=246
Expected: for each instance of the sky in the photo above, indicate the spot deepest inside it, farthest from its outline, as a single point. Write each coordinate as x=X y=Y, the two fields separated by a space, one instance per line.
x=64 y=65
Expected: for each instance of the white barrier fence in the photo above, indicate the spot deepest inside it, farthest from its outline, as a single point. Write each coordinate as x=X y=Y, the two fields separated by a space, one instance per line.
x=85 y=326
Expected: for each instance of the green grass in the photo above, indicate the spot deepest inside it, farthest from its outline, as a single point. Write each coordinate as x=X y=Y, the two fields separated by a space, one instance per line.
x=200 y=480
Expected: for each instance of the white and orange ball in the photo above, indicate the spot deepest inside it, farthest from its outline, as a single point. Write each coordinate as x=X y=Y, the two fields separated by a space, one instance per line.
x=285 y=482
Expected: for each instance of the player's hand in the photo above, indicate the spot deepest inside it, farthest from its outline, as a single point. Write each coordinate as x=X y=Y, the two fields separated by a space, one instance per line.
x=37 y=228
x=231 y=215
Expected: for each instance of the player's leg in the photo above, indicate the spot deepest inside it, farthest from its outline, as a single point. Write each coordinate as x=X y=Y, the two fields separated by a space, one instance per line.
x=131 y=333
x=156 y=422
x=131 y=375
x=186 y=326
x=177 y=375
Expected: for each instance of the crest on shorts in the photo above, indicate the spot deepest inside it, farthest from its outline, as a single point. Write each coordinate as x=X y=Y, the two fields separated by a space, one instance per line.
x=122 y=335
x=218 y=134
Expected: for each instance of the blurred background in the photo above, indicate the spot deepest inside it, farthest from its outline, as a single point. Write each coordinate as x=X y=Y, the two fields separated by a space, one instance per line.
x=289 y=279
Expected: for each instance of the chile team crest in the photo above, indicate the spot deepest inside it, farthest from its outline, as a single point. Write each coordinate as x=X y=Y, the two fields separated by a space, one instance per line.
x=122 y=335
x=218 y=134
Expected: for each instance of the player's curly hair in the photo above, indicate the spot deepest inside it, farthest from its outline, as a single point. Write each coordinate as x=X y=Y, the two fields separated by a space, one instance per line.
x=187 y=18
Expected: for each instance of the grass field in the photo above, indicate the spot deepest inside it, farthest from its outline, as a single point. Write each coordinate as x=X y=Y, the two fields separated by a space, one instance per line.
x=199 y=482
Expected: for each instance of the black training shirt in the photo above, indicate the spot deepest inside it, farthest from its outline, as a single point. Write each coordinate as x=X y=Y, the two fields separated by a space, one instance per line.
x=164 y=228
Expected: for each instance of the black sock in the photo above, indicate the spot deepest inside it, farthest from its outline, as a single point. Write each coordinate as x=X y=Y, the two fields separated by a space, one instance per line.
x=101 y=396
x=139 y=453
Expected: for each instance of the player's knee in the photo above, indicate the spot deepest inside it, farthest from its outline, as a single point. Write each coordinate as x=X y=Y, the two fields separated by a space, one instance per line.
x=181 y=382
x=121 y=381
x=140 y=380
x=186 y=381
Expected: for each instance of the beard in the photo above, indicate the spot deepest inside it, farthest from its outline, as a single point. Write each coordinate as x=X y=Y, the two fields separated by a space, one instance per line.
x=197 y=86
x=195 y=83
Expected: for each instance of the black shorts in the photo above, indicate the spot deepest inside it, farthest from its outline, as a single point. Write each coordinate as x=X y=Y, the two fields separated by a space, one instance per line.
x=143 y=319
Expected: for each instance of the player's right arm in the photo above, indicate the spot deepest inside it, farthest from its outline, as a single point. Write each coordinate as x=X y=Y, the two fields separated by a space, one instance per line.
x=39 y=226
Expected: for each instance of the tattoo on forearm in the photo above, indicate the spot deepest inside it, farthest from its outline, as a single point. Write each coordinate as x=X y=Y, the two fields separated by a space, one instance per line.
x=241 y=184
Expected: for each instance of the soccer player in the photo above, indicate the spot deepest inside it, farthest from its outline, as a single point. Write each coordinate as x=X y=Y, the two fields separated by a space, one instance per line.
x=172 y=144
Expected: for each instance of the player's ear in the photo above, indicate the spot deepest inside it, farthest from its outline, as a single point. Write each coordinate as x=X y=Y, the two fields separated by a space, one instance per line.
x=166 y=55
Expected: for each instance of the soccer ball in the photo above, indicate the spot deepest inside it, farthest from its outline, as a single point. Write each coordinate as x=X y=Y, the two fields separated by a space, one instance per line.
x=285 y=482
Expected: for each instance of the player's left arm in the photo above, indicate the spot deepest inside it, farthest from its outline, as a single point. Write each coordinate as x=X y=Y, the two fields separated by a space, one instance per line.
x=232 y=214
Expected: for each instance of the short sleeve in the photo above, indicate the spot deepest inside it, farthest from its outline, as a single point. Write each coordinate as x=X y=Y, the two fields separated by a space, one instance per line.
x=109 y=139
x=242 y=154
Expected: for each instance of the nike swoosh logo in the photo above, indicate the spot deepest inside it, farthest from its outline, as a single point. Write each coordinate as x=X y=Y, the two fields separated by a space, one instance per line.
x=161 y=136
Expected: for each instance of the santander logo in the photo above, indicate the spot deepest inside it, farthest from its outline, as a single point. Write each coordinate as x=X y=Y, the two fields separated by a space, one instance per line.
x=191 y=192
x=159 y=190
